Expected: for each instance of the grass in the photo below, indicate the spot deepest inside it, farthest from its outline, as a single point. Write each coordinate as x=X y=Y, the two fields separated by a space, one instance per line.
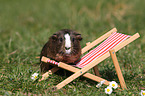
x=26 y=25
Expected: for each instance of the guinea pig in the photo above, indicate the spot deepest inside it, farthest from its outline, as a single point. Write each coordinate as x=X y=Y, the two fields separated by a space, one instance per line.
x=62 y=46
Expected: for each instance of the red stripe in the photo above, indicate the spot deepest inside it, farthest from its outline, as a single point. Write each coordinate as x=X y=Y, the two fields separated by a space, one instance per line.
x=100 y=54
x=87 y=62
x=100 y=46
x=104 y=44
x=96 y=56
x=53 y=62
x=105 y=51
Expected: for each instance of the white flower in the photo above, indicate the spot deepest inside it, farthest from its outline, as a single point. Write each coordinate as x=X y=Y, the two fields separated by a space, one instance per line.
x=113 y=84
x=34 y=76
x=142 y=93
x=100 y=84
x=108 y=90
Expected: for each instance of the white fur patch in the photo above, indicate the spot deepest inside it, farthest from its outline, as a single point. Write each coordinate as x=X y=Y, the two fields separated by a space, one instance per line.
x=67 y=43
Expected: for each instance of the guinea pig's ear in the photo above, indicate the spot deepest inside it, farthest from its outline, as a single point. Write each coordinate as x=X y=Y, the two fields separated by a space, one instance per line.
x=54 y=36
x=78 y=36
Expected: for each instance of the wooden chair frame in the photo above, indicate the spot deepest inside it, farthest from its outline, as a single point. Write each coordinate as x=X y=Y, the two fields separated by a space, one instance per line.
x=93 y=64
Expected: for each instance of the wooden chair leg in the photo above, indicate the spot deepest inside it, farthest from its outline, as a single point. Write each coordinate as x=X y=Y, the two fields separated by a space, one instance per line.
x=51 y=71
x=78 y=72
x=117 y=68
x=96 y=71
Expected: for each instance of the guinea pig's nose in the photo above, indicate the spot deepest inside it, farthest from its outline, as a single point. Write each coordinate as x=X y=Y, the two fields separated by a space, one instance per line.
x=67 y=48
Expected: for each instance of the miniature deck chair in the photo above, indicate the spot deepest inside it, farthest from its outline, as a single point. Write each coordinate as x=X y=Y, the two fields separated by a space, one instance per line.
x=114 y=42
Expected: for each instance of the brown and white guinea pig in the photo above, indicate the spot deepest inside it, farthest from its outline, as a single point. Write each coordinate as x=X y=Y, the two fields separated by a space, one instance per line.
x=62 y=46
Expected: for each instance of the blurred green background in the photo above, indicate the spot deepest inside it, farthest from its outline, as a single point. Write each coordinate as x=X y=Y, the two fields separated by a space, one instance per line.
x=25 y=26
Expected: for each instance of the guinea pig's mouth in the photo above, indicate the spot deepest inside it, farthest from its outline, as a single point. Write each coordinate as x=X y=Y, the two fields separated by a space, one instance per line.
x=67 y=50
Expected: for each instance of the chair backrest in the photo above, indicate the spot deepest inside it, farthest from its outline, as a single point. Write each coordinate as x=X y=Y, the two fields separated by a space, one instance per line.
x=113 y=40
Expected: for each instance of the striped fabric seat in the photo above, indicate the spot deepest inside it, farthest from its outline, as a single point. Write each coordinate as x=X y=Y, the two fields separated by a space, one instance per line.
x=113 y=40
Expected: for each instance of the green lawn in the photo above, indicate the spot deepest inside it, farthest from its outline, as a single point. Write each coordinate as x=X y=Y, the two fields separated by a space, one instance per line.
x=25 y=26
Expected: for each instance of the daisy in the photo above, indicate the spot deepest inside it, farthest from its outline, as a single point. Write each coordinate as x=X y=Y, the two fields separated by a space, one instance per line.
x=108 y=90
x=142 y=93
x=113 y=84
x=34 y=76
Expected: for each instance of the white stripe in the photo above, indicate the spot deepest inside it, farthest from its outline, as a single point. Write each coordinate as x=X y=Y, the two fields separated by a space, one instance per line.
x=119 y=41
x=106 y=49
x=110 y=40
x=102 y=51
x=67 y=43
x=99 y=52
x=99 y=48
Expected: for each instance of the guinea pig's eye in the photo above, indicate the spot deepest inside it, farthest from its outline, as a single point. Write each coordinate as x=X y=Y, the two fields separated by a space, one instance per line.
x=60 y=39
x=73 y=39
